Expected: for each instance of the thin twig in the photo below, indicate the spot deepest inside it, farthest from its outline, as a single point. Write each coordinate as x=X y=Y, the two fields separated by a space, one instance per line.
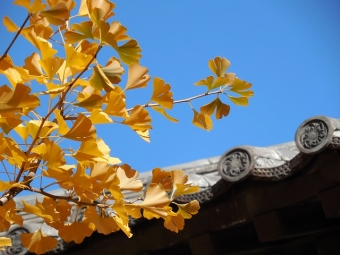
x=16 y=36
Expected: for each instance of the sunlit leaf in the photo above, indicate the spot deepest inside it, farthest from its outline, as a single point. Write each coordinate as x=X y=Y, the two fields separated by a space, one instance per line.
x=39 y=211
x=9 y=121
x=139 y=119
x=174 y=222
x=10 y=25
x=47 y=128
x=18 y=99
x=219 y=66
x=93 y=101
x=137 y=77
x=129 y=52
x=6 y=63
x=222 y=109
x=79 y=32
x=5 y=241
x=99 y=81
x=76 y=59
x=116 y=105
x=51 y=66
x=76 y=231
x=99 y=117
x=241 y=87
x=82 y=129
x=104 y=225
x=35 y=6
x=58 y=14
x=51 y=153
x=239 y=100
x=163 y=178
x=162 y=111
x=202 y=121
x=144 y=134
x=100 y=10
x=113 y=70
x=115 y=34
x=211 y=83
x=188 y=209
x=127 y=179
x=162 y=94
x=32 y=64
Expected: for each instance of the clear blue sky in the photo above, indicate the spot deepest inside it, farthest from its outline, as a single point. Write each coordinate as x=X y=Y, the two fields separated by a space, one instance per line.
x=288 y=49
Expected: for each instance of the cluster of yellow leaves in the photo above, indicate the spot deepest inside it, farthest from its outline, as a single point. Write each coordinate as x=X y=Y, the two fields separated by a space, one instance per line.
x=72 y=93
x=224 y=82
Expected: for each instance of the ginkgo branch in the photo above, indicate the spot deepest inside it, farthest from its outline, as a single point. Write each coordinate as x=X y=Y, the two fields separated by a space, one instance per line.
x=16 y=36
x=184 y=100
x=69 y=199
x=60 y=101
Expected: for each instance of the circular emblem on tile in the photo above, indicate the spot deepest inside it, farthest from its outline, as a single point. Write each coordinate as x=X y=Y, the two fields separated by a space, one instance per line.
x=235 y=164
x=314 y=135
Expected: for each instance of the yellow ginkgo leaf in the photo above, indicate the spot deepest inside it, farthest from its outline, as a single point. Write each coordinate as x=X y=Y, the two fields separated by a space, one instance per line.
x=34 y=127
x=243 y=101
x=75 y=58
x=10 y=25
x=16 y=75
x=213 y=83
x=104 y=225
x=6 y=62
x=9 y=121
x=163 y=178
x=137 y=77
x=4 y=241
x=92 y=102
x=202 y=121
x=36 y=5
x=32 y=64
x=113 y=70
x=154 y=202
x=162 y=94
x=139 y=119
x=115 y=34
x=44 y=47
x=99 y=10
x=51 y=153
x=219 y=66
x=79 y=32
x=22 y=131
x=39 y=211
x=222 y=109
x=51 y=66
x=188 y=209
x=38 y=242
x=82 y=129
x=5 y=185
x=99 y=117
x=174 y=222
x=62 y=126
x=99 y=81
x=127 y=179
x=162 y=111
x=241 y=87
x=116 y=105
x=144 y=134
x=58 y=14
x=76 y=231
x=129 y=52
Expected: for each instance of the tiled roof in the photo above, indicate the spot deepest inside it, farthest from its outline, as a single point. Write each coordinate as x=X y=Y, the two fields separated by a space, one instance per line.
x=275 y=163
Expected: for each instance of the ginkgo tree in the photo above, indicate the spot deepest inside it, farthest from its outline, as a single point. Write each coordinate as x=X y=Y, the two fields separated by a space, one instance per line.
x=48 y=115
